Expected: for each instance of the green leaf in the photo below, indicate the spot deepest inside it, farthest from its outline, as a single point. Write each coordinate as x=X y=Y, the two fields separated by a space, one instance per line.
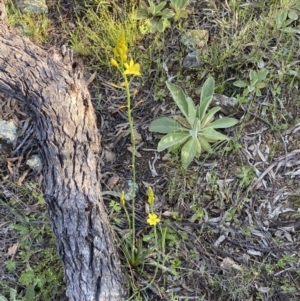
x=10 y=264
x=166 y=125
x=179 y=98
x=189 y=151
x=240 y=84
x=2 y=298
x=252 y=76
x=209 y=117
x=172 y=139
x=27 y=277
x=182 y=121
x=191 y=111
x=159 y=7
x=167 y=13
x=223 y=123
x=30 y=293
x=261 y=75
x=293 y=15
x=280 y=18
x=205 y=145
x=207 y=92
x=260 y=85
x=213 y=135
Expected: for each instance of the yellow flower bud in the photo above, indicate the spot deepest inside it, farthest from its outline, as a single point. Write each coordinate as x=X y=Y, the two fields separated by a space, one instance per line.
x=114 y=62
x=151 y=196
x=122 y=198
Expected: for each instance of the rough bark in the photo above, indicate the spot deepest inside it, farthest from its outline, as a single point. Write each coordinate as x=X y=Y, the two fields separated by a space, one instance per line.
x=54 y=93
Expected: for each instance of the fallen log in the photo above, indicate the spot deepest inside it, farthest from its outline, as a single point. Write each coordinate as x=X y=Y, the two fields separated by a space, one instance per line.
x=54 y=93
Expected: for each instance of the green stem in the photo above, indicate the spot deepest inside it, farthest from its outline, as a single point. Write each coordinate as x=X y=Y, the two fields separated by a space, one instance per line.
x=130 y=120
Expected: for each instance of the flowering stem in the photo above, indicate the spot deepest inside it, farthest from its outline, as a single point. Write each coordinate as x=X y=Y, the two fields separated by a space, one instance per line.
x=130 y=120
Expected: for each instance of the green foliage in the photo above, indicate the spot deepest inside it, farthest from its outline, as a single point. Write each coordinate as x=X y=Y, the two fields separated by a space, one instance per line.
x=179 y=7
x=115 y=206
x=12 y=296
x=34 y=27
x=254 y=86
x=156 y=16
x=36 y=262
x=286 y=16
x=196 y=131
x=97 y=33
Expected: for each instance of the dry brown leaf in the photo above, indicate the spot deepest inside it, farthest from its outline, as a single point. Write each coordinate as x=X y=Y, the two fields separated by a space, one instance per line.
x=112 y=182
x=12 y=250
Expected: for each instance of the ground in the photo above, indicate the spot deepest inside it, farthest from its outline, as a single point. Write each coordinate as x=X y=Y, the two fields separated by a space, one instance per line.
x=229 y=223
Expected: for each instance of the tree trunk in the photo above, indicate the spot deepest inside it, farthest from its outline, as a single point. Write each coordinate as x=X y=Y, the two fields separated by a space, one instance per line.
x=55 y=95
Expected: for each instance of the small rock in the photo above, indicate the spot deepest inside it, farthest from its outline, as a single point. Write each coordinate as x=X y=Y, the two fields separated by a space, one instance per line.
x=8 y=135
x=34 y=162
x=32 y=6
x=194 y=39
x=192 y=60
x=129 y=192
x=228 y=104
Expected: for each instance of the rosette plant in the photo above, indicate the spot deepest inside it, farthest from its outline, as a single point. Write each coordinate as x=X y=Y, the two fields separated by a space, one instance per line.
x=196 y=131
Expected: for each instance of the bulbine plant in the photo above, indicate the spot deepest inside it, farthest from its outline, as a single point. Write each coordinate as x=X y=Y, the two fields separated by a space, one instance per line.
x=194 y=133
x=133 y=250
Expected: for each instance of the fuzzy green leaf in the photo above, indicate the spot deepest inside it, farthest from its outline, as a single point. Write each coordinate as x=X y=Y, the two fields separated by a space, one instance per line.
x=165 y=125
x=159 y=7
x=205 y=145
x=171 y=140
x=293 y=15
x=240 y=84
x=209 y=117
x=260 y=85
x=207 y=92
x=189 y=151
x=213 y=135
x=223 y=123
x=167 y=13
x=261 y=75
x=182 y=121
x=179 y=98
x=191 y=111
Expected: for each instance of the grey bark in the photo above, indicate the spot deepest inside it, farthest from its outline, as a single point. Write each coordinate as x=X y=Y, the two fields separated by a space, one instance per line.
x=53 y=91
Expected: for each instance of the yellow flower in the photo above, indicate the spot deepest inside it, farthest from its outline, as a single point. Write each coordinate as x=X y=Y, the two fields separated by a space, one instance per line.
x=114 y=62
x=153 y=219
x=122 y=198
x=132 y=68
x=150 y=196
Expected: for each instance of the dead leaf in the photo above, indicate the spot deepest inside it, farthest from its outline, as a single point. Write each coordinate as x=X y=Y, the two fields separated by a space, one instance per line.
x=12 y=250
x=112 y=182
